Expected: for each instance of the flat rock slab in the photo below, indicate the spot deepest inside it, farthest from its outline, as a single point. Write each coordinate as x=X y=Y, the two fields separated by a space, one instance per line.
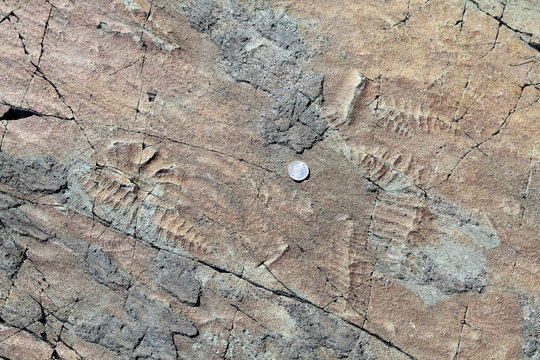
x=146 y=208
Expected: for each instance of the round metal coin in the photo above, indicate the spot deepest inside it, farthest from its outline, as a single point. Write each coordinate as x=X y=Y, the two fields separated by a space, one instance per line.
x=298 y=170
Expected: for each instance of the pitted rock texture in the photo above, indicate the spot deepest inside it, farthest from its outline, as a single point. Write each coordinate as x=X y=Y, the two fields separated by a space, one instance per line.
x=264 y=50
x=146 y=211
x=531 y=329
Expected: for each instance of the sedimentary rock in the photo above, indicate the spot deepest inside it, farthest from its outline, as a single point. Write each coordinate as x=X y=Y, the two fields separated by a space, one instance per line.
x=146 y=210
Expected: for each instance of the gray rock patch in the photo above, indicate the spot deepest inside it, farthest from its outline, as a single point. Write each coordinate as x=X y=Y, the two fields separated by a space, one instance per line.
x=317 y=328
x=11 y=254
x=104 y=270
x=531 y=329
x=20 y=309
x=157 y=315
x=77 y=197
x=17 y=222
x=264 y=51
x=145 y=330
x=97 y=326
x=176 y=275
x=451 y=261
x=41 y=175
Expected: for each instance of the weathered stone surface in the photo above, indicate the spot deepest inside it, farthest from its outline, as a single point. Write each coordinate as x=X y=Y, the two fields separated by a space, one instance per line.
x=265 y=51
x=103 y=269
x=176 y=275
x=531 y=329
x=11 y=253
x=146 y=211
x=31 y=176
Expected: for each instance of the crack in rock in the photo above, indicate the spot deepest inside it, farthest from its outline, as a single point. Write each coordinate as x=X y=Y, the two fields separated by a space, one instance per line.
x=147 y=331
x=316 y=329
x=17 y=114
x=264 y=50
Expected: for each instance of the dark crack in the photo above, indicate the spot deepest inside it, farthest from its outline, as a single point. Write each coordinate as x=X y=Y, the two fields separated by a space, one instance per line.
x=17 y=114
x=524 y=36
x=10 y=14
x=277 y=292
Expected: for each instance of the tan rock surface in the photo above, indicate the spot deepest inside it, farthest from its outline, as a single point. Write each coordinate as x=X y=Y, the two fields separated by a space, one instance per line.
x=145 y=206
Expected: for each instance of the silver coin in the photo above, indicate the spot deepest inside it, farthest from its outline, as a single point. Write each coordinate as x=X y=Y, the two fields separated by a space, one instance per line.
x=298 y=170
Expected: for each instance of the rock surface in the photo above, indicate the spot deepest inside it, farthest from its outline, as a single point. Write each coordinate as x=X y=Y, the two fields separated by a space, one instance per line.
x=146 y=211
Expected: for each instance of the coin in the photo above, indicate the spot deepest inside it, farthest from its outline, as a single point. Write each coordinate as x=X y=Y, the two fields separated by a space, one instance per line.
x=298 y=170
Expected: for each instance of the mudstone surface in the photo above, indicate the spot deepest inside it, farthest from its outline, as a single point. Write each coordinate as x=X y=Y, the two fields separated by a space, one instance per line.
x=145 y=206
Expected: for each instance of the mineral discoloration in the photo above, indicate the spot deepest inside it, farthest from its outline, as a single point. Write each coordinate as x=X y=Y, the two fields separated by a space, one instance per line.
x=32 y=175
x=102 y=268
x=176 y=275
x=531 y=329
x=156 y=314
x=264 y=50
x=434 y=247
x=11 y=254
